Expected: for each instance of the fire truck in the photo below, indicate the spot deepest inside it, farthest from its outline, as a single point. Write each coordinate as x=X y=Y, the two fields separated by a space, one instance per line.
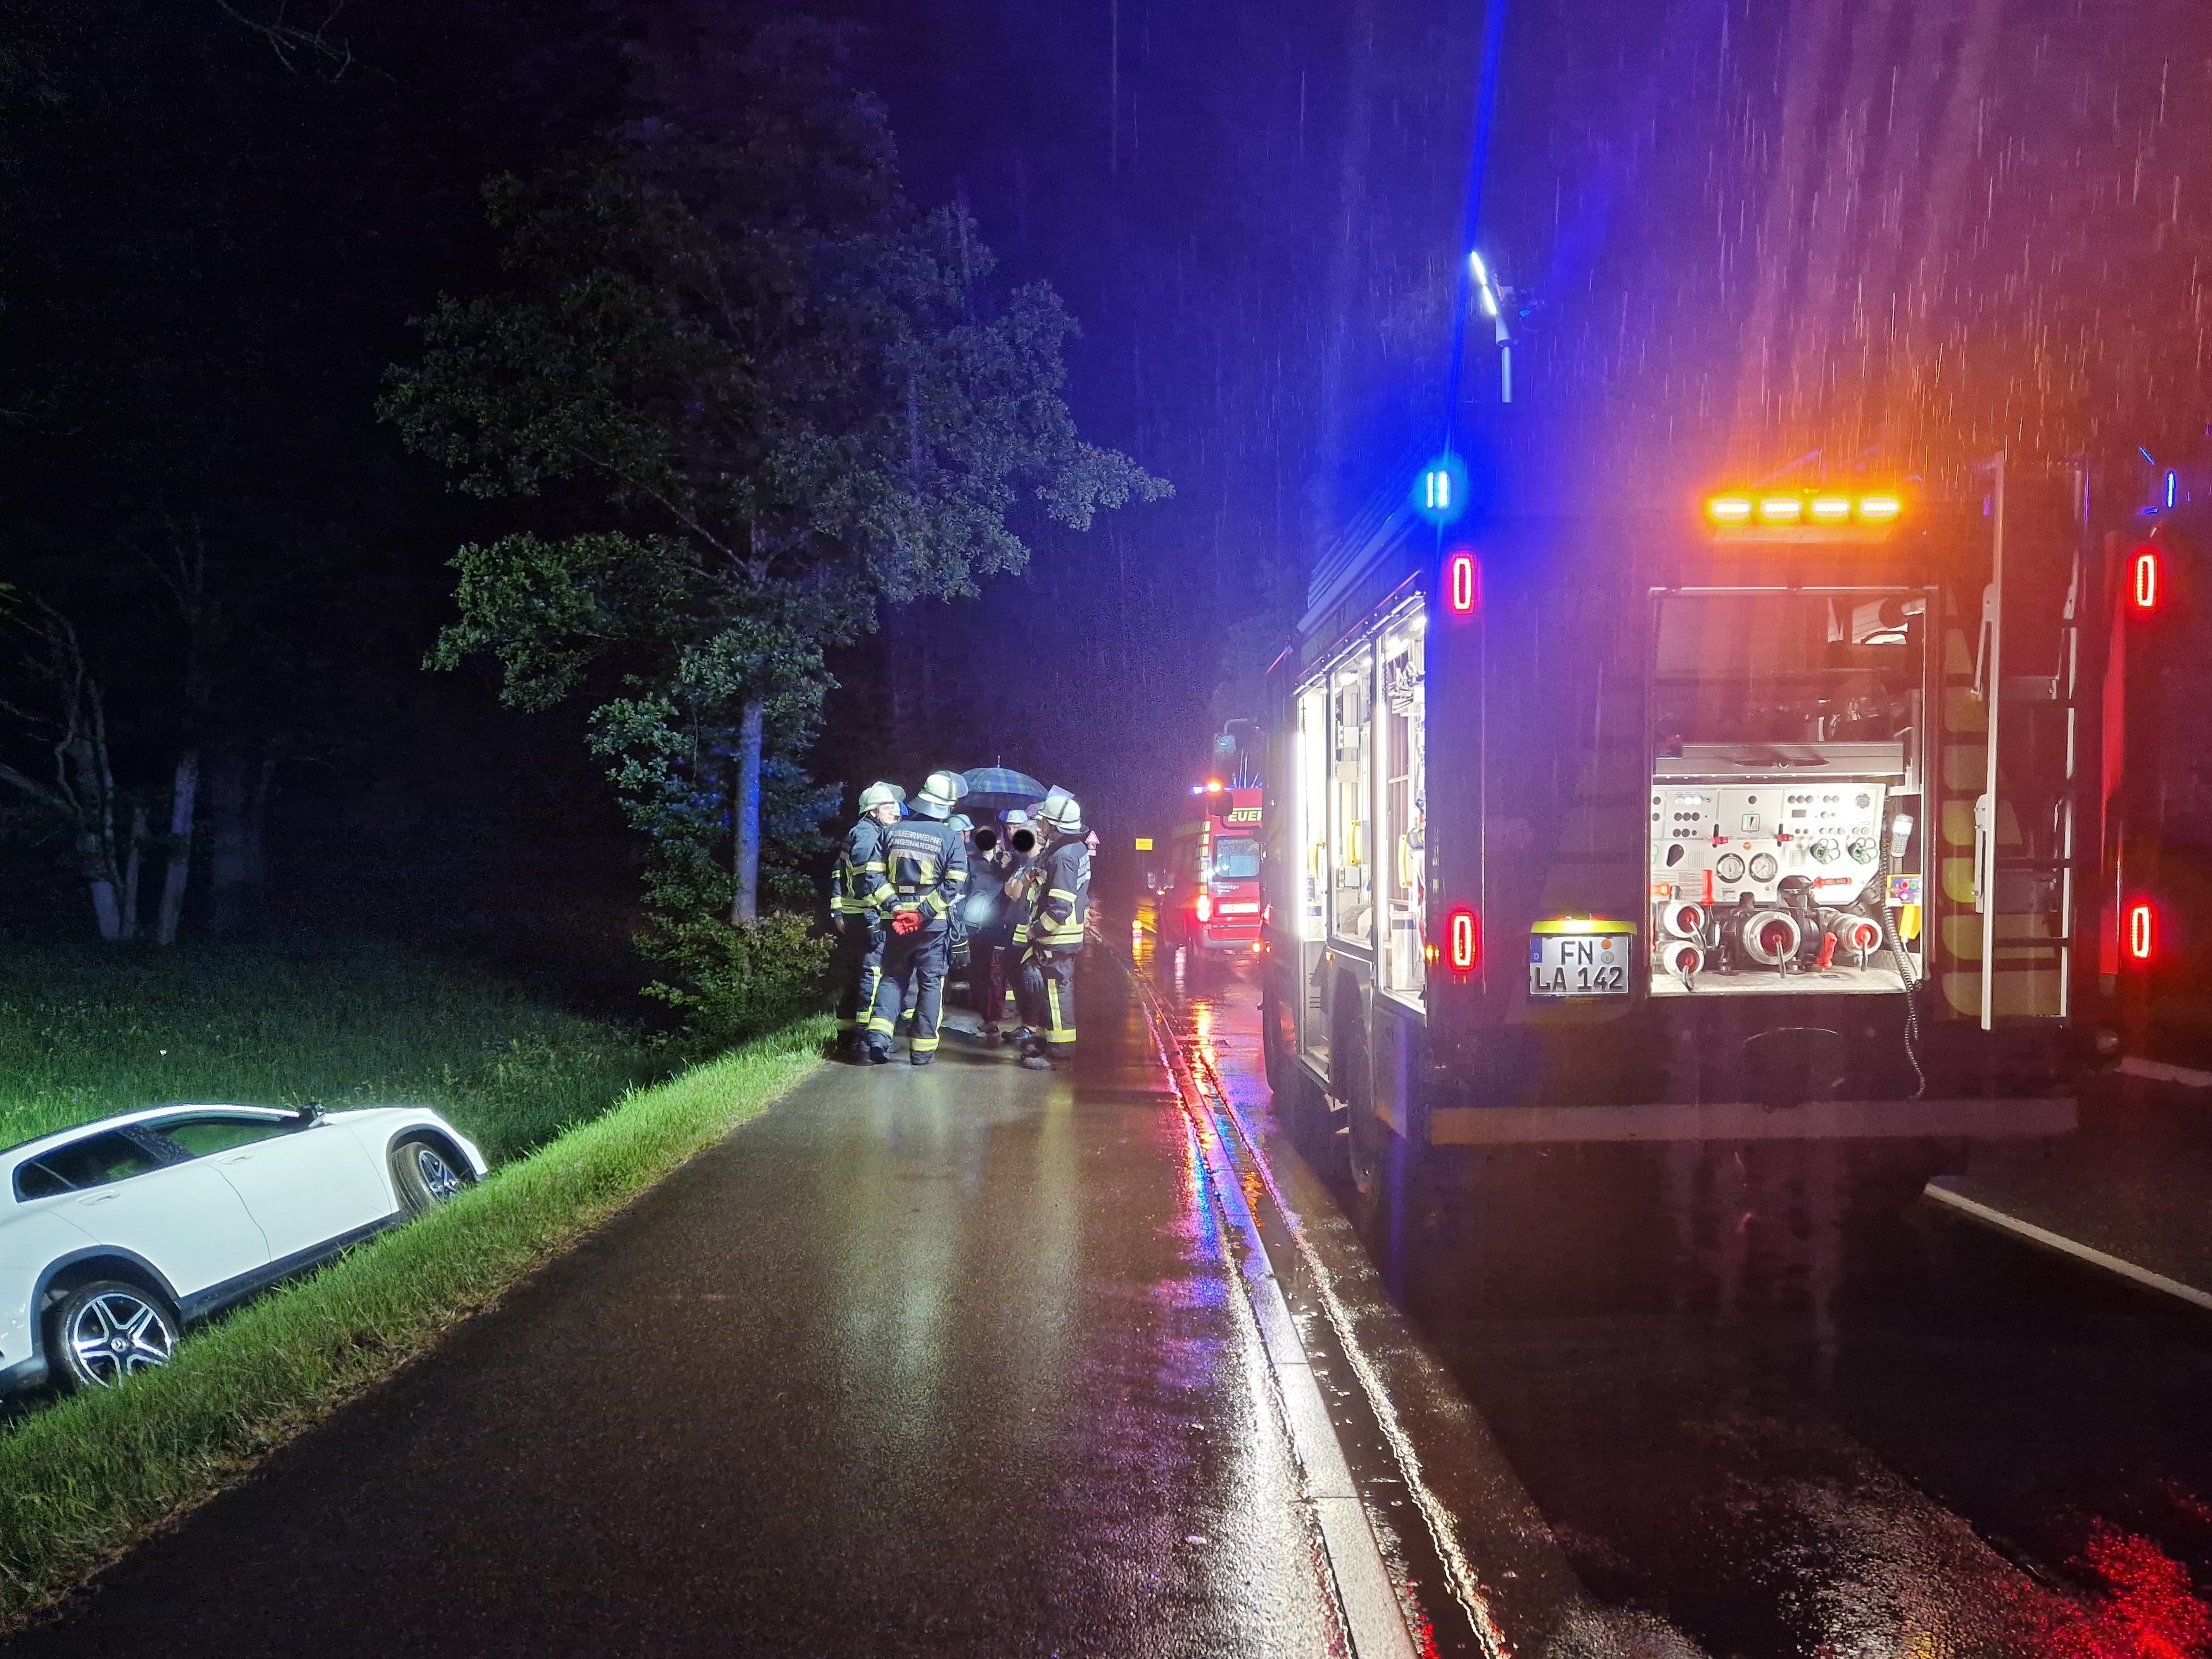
x=2154 y=784
x=1210 y=896
x=1795 y=813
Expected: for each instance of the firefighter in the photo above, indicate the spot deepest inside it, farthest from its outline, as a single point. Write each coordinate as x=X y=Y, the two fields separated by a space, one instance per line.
x=927 y=869
x=858 y=890
x=1054 y=935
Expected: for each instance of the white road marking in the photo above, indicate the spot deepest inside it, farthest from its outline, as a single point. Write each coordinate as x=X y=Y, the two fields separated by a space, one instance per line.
x=2157 y=1071
x=2073 y=1247
x=1373 y=1615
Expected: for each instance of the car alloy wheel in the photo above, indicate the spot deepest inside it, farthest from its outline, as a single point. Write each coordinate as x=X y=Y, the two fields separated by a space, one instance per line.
x=425 y=1176
x=110 y=1331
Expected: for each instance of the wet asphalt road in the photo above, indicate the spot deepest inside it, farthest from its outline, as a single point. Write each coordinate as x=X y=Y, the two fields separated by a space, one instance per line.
x=937 y=1361
x=1768 y=1402
x=953 y=1363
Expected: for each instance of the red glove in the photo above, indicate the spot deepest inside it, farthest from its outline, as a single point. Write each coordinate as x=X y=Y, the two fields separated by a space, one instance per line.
x=906 y=922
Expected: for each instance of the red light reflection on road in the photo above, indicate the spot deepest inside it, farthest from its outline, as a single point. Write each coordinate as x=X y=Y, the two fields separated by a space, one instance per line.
x=2150 y=1609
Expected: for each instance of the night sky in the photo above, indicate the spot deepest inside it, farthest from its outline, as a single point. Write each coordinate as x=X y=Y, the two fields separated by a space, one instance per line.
x=1886 y=237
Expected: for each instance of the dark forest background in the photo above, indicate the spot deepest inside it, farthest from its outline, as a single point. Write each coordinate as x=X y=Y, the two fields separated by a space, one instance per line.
x=1738 y=231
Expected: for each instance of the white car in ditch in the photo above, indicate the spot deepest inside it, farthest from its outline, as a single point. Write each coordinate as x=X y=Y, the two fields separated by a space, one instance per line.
x=115 y=1235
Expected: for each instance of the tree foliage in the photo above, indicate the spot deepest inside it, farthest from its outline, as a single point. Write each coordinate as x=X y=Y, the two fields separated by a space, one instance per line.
x=741 y=393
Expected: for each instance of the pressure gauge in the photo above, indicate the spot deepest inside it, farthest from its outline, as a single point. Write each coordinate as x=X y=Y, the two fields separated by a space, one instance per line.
x=1728 y=867
x=1763 y=867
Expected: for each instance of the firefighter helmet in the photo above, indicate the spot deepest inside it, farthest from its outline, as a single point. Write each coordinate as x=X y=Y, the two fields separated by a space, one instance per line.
x=881 y=794
x=1063 y=813
x=938 y=792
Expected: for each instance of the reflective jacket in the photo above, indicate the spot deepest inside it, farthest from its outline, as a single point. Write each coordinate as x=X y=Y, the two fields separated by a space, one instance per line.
x=926 y=869
x=853 y=883
x=1062 y=901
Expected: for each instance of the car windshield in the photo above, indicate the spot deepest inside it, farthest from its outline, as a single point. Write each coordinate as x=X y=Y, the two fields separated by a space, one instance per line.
x=1236 y=860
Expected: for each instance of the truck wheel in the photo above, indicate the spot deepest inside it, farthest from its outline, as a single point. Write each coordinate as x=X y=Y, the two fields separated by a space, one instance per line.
x=1350 y=1082
x=1272 y=1048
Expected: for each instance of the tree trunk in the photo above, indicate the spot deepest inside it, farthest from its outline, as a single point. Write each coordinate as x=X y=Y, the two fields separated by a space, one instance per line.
x=257 y=820
x=105 y=910
x=130 y=868
x=182 y=801
x=746 y=907
x=95 y=830
x=238 y=800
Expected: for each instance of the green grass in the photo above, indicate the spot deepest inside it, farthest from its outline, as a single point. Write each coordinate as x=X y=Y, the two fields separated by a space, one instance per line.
x=88 y=1031
x=87 y=1477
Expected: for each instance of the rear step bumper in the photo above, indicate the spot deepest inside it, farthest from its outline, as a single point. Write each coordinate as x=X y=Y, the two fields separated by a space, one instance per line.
x=1815 y=1120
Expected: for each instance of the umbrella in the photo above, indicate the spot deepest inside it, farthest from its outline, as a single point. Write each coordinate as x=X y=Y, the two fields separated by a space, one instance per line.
x=1001 y=786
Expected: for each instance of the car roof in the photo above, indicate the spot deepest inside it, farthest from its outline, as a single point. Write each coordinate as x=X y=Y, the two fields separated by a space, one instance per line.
x=26 y=1150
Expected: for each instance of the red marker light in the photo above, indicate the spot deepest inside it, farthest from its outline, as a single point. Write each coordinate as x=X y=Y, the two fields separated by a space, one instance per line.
x=1205 y=907
x=1462 y=585
x=2143 y=580
x=1464 y=937
x=2142 y=932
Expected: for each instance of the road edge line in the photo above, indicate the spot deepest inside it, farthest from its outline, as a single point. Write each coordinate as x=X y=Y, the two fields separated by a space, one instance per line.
x=2073 y=1247
x=2158 y=1070
x=1367 y=1598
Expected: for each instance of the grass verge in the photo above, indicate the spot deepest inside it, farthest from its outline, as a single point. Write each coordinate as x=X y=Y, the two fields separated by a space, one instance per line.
x=88 y=1030
x=82 y=1480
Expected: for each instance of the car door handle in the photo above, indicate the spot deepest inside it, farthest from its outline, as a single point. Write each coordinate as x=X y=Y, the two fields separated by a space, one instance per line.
x=97 y=1198
x=242 y=1157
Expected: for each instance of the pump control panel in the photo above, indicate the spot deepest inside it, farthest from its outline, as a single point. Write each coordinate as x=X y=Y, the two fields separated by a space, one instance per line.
x=1761 y=883
x=1712 y=843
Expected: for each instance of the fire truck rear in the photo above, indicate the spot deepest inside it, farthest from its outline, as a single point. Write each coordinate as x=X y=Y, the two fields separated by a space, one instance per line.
x=1211 y=898
x=1769 y=817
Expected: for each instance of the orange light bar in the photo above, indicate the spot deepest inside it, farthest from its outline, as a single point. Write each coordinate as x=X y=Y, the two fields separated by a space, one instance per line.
x=1824 y=509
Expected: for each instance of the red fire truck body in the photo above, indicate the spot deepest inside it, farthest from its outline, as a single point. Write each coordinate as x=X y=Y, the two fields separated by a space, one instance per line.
x=1210 y=897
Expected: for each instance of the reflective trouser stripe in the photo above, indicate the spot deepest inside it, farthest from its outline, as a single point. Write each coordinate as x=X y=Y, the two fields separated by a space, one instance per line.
x=1062 y=1029
x=1047 y=995
x=864 y=963
x=915 y=962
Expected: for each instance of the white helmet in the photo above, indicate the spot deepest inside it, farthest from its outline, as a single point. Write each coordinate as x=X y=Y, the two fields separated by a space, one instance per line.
x=938 y=792
x=881 y=794
x=1063 y=813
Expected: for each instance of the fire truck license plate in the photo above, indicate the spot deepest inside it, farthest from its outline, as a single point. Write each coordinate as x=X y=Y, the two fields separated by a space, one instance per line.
x=1579 y=964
